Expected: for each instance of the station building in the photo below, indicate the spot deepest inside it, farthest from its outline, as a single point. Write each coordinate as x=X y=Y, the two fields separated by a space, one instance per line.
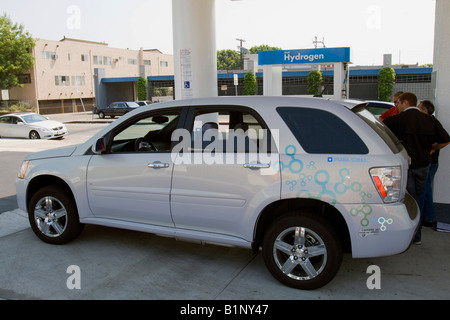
x=363 y=82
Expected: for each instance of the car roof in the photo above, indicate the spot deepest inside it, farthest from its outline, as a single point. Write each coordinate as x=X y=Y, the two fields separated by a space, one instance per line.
x=18 y=114
x=256 y=102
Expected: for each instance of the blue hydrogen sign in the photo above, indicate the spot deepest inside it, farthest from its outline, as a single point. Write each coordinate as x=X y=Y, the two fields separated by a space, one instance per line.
x=309 y=56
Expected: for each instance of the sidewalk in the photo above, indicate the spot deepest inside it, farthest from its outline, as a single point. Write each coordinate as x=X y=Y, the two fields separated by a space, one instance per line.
x=78 y=117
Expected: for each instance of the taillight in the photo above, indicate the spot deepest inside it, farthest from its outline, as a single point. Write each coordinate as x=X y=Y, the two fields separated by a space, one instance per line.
x=387 y=180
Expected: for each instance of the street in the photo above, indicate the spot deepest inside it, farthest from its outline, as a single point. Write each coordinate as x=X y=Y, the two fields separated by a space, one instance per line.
x=106 y=263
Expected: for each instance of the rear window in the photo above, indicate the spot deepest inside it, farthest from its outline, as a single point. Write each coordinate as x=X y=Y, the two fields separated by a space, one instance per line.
x=320 y=131
x=391 y=140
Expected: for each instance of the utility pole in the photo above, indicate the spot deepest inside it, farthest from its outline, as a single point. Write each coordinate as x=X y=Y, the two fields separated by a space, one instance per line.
x=240 y=51
x=315 y=42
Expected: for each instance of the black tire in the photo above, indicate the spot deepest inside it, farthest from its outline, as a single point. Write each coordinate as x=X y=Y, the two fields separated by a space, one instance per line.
x=53 y=216
x=299 y=242
x=101 y=115
x=34 y=135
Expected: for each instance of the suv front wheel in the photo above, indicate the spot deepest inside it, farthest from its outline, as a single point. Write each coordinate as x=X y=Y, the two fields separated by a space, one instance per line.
x=302 y=250
x=53 y=216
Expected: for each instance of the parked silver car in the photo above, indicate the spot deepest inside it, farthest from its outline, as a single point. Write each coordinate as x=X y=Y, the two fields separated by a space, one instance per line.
x=304 y=179
x=30 y=125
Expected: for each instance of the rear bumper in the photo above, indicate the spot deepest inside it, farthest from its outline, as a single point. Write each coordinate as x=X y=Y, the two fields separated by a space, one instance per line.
x=383 y=229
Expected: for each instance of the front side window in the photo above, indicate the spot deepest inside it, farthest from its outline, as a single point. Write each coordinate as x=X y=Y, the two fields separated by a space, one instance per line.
x=150 y=133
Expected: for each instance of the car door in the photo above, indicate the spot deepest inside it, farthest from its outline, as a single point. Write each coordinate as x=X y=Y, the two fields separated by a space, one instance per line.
x=131 y=181
x=221 y=191
x=18 y=128
x=109 y=110
x=121 y=109
x=5 y=126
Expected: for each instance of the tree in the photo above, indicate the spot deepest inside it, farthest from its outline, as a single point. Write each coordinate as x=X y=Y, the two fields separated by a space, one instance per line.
x=386 y=80
x=142 y=88
x=249 y=84
x=16 y=55
x=263 y=47
x=228 y=59
x=314 y=80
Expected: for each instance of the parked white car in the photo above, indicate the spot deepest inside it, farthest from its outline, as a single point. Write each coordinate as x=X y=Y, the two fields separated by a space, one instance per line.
x=304 y=179
x=31 y=126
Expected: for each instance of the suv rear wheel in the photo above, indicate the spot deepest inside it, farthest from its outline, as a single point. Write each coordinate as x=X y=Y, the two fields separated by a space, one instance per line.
x=302 y=250
x=53 y=216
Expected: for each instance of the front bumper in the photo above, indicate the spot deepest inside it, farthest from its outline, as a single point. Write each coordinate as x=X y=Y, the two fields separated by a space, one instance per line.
x=383 y=229
x=53 y=134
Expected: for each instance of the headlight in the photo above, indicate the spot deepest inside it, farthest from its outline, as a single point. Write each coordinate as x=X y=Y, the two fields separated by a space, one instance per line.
x=388 y=182
x=23 y=169
x=44 y=129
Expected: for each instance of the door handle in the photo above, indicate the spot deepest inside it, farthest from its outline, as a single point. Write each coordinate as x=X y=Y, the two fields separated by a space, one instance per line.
x=158 y=165
x=256 y=165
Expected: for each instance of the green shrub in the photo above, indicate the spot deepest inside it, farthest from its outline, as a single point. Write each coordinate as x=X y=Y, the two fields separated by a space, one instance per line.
x=314 y=80
x=249 y=84
x=142 y=89
x=386 y=80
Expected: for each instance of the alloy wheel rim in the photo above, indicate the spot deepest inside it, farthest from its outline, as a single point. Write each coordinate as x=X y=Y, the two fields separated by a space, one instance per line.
x=50 y=216
x=300 y=253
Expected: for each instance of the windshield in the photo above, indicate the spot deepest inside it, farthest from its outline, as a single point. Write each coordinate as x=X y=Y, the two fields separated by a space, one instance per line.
x=30 y=118
x=383 y=131
x=133 y=105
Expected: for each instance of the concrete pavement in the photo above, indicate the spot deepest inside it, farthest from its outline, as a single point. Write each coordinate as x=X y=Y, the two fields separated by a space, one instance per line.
x=121 y=264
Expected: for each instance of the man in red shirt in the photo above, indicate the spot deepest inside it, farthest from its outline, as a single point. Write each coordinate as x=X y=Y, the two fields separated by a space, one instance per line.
x=394 y=110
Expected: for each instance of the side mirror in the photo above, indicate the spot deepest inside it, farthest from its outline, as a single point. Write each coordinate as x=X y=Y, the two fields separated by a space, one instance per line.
x=99 y=147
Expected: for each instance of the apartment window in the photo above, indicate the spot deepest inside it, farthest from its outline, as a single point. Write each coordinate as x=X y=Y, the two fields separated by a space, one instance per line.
x=132 y=61
x=107 y=61
x=147 y=62
x=163 y=63
x=62 y=80
x=84 y=57
x=98 y=60
x=49 y=55
x=24 y=78
x=78 y=80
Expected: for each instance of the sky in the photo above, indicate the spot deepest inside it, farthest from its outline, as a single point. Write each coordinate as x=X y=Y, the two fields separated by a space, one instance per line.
x=371 y=28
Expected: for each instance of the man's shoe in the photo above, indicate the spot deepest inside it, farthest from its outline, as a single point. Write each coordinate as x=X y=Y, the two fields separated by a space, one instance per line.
x=428 y=224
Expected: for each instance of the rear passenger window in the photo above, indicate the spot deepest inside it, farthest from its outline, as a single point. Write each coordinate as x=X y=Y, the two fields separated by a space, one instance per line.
x=320 y=131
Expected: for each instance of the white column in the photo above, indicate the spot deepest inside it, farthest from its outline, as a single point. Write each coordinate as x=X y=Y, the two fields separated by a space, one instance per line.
x=272 y=78
x=341 y=74
x=194 y=44
x=441 y=66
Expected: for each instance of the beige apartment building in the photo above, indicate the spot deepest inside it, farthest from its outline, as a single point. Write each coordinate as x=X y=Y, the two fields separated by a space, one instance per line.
x=63 y=75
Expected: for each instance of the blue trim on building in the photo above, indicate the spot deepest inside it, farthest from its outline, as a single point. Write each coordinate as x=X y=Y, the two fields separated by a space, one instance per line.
x=359 y=72
x=120 y=80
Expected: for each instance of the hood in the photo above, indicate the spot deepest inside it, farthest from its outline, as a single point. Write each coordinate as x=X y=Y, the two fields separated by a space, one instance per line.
x=53 y=153
x=49 y=124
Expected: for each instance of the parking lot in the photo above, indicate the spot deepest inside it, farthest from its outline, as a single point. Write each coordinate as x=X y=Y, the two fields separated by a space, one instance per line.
x=127 y=265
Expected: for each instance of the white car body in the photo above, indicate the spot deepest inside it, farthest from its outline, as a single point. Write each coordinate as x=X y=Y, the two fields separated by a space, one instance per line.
x=232 y=204
x=31 y=126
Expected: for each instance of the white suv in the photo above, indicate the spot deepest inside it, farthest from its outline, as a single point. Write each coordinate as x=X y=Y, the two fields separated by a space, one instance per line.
x=306 y=179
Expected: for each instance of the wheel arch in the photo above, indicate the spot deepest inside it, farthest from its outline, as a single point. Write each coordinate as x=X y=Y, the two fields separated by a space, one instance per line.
x=281 y=207
x=42 y=181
